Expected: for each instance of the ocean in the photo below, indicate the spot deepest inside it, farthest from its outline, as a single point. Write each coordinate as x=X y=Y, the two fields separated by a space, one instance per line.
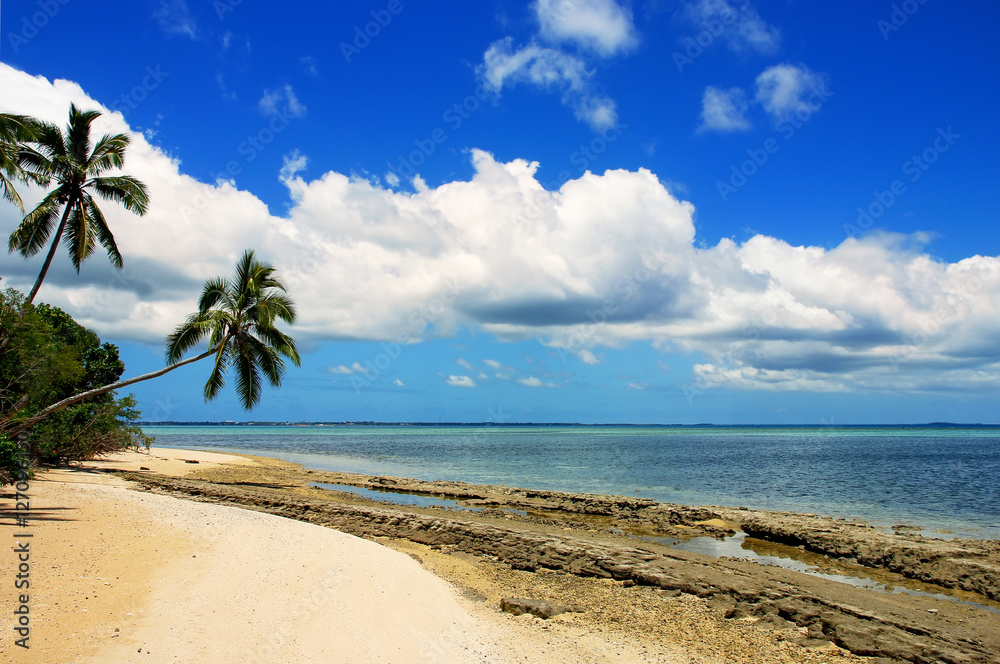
x=942 y=479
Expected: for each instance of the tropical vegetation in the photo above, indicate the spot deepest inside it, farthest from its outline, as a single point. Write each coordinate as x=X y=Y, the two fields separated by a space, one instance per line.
x=58 y=380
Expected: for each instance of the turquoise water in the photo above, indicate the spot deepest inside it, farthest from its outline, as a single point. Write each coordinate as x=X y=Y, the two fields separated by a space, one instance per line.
x=935 y=478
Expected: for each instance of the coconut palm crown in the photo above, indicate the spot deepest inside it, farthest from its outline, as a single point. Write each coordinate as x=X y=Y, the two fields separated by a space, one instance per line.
x=238 y=317
x=77 y=168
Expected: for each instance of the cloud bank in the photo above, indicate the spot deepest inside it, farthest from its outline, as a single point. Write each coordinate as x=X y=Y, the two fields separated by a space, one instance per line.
x=607 y=260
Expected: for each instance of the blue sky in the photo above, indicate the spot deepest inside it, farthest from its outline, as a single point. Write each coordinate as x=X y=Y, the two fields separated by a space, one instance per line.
x=588 y=210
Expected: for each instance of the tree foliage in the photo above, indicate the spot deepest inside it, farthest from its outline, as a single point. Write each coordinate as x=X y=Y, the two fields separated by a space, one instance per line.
x=46 y=356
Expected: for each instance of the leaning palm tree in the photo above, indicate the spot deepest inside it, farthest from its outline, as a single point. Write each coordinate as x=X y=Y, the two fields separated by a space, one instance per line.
x=76 y=167
x=238 y=317
x=15 y=131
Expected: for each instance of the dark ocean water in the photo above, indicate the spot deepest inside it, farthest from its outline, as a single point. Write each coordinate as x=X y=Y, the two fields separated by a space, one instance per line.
x=936 y=478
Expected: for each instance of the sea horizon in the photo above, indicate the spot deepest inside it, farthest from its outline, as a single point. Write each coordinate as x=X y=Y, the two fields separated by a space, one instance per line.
x=928 y=425
x=940 y=477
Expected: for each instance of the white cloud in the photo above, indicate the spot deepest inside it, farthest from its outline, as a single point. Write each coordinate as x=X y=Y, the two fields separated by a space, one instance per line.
x=601 y=26
x=175 y=18
x=739 y=26
x=638 y=386
x=786 y=89
x=370 y=263
x=398 y=383
x=465 y=364
x=531 y=381
x=272 y=100
x=724 y=110
x=292 y=163
x=460 y=381
x=551 y=70
x=345 y=370
x=503 y=372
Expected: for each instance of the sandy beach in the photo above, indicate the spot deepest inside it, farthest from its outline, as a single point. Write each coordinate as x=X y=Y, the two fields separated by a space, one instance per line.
x=126 y=567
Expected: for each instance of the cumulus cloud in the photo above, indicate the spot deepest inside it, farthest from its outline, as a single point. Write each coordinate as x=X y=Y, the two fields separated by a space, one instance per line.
x=739 y=25
x=465 y=364
x=281 y=100
x=606 y=260
x=601 y=26
x=724 y=110
x=551 y=70
x=786 y=89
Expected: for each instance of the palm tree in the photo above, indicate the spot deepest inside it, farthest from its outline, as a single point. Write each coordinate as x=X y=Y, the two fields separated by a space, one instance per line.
x=77 y=170
x=238 y=317
x=15 y=131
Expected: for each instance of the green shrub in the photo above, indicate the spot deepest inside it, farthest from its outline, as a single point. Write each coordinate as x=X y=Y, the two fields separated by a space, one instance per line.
x=10 y=461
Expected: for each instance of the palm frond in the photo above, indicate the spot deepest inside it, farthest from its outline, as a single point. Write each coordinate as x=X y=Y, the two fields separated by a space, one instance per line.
x=8 y=193
x=216 y=290
x=100 y=225
x=34 y=230
x=77 y=137
x=79 y=236
x=270 y=363
x=109 y=152
x=123 y=189
x=217 y=379
x=248 y=385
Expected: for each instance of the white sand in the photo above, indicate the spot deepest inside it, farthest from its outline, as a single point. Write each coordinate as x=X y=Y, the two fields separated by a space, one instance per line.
x=140 y=577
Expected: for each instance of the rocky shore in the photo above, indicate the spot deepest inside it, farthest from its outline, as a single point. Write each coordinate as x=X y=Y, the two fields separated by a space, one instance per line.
x=572 y=543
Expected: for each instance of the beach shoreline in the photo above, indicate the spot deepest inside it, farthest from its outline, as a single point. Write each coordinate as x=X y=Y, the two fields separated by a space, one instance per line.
x=572 y=549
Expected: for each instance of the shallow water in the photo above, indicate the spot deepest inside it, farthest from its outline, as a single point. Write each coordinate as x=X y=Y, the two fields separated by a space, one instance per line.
x=940 y=479
x=741 y=547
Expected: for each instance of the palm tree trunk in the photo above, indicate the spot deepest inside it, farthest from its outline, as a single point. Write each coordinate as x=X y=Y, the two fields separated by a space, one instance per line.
x=107 y=388
x=52 y=252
